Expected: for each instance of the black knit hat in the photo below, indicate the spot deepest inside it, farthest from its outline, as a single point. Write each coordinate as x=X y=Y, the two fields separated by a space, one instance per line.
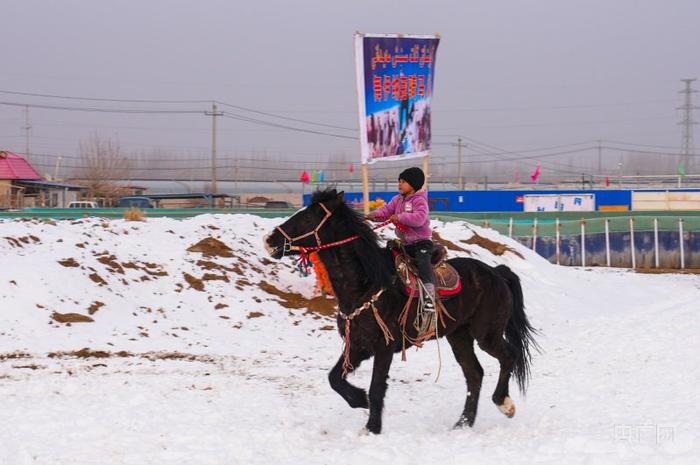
x=413 y=176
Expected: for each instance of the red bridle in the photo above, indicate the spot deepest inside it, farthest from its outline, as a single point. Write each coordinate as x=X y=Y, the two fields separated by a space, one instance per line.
x=304 y=251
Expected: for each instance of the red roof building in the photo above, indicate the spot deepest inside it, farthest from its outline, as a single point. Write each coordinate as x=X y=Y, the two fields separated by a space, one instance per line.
x=15 y=168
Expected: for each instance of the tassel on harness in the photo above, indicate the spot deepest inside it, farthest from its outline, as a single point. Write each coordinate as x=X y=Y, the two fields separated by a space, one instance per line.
x=347 y=365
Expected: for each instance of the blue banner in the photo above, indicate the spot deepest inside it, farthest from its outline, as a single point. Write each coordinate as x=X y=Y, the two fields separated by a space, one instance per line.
x=395 y=76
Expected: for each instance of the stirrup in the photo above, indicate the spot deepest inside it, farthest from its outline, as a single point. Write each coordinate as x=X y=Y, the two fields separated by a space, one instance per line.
x=426 y=329
x=429 y=303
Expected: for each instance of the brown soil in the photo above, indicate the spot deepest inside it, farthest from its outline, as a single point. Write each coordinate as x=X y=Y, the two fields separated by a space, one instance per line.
x=89 y=353
x=14 y=242
x=214 y=277
x=69 y=263
x=33 y=366
x=210 y=247
x=254 y=315
x=71 y=318
x=448 y=244
x=195 y=283
x=319 y=305
x=98 y=279
x=111 y=262
x=667 y=270
x=145 y=267
x=96 y=305
x=495 y=248
x=209 y=265
x=220 y=306
x=14 y=356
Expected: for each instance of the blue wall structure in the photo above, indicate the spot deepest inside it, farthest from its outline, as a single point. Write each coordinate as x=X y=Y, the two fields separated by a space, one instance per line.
x=621 y=249
x=501 y=200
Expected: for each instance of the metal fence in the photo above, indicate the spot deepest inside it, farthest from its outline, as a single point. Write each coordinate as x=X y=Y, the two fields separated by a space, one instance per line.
x=656 y=241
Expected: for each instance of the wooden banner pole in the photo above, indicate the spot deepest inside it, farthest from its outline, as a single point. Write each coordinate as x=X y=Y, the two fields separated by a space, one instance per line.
x=365 y=188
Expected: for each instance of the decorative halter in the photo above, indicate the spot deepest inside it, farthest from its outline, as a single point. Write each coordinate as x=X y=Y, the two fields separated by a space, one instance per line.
x=314 y=232
x=303 y=265
x=304 y=251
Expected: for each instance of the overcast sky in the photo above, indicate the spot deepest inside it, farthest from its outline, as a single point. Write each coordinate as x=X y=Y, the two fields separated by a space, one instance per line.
x=518 y=75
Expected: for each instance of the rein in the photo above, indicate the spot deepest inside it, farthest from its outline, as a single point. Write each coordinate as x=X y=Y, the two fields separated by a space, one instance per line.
x=304 y=252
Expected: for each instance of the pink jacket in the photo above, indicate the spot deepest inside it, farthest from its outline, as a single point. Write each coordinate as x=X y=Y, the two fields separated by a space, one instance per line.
x=413 y=212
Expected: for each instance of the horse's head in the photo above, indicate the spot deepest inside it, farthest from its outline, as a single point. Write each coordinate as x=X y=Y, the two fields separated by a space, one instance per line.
x=306 y=227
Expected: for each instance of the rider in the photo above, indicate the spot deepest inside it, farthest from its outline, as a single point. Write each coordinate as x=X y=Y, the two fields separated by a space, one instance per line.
x=410 y=208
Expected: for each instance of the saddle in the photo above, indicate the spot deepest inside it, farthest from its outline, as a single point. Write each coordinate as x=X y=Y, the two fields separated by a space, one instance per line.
x=447 y=280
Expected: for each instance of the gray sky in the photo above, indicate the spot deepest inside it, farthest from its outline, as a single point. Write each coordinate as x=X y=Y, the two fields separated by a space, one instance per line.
x=517 y=75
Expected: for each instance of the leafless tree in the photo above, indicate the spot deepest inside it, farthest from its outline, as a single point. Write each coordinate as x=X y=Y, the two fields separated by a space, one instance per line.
x=101 y=164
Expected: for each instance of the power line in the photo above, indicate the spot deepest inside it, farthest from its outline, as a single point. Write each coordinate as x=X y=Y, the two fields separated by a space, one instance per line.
x=95 y=99
x=101 y=110
x=284 y=126
x=557 y=107
x=122 y=100
x=238 y=107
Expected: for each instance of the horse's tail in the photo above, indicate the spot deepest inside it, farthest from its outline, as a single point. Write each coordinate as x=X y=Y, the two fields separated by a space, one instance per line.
x=520 y=335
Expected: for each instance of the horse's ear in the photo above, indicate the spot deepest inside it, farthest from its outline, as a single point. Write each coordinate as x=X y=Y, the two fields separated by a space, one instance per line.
x=341 y=196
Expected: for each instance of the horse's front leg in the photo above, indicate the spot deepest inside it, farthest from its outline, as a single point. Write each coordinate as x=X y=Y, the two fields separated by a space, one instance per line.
x=377 y=390
x=353 y=395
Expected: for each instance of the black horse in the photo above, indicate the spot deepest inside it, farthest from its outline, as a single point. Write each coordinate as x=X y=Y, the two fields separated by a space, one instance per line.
x=488 y=309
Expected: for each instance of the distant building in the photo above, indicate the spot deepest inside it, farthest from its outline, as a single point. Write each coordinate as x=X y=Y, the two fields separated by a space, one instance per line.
x=22 y=187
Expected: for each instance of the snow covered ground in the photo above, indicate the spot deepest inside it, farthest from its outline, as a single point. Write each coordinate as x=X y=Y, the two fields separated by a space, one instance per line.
x=210 y=356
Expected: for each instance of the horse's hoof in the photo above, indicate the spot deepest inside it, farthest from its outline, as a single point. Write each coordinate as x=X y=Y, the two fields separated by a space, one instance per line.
x=358 y=398
x=463 y=421
x=364 y=432
x=507 y=408
x=372 y=428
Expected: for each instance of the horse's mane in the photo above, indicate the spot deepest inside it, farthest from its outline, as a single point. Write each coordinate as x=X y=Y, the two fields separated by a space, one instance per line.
x=345 y=222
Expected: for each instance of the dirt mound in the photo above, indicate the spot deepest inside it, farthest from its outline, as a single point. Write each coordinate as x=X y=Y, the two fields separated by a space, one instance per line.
x=495 y=248
x=210 y=247
x=195 y=283
x=69 y=263
x=448 y=244
x=96 y=305
x=71 y=318
x=318 y=305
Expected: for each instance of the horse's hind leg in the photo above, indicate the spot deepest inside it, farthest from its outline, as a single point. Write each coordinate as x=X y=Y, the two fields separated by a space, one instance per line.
x=353 y=395
x=498 y=348
x=462 y=344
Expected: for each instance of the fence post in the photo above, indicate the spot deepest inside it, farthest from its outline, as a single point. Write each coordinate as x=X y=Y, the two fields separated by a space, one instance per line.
x=534 y=235
x=510 y=227
x=656 y=242
x=557 y=253
x=634 y=259
x=583 y=243
x=680 y=231
x=607 y=242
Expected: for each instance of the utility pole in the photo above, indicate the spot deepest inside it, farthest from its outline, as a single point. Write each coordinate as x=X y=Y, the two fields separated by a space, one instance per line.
x=600 y=157
x=687 y=123
x=214 y=113
x=459 y=162
x=27 y=130
x=58 y=166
